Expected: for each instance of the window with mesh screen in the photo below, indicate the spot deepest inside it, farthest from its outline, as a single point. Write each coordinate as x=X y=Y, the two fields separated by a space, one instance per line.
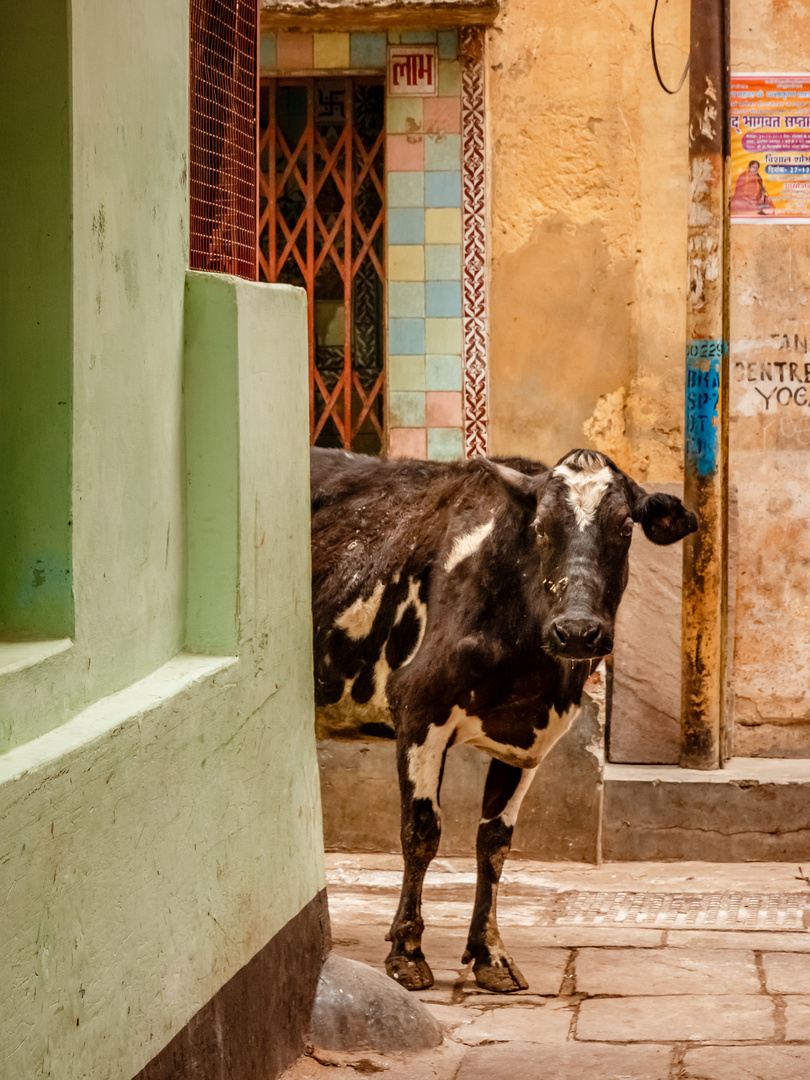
x=222 y=136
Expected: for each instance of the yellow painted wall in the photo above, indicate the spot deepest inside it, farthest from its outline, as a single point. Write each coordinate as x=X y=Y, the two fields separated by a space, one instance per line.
x=770 y=444
x=588 y=202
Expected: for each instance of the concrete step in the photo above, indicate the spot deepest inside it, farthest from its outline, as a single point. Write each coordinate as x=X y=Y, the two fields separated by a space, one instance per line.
x=753 y=810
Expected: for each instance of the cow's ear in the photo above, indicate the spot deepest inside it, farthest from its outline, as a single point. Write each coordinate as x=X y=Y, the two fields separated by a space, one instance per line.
x=521 y=485
x=663 y=518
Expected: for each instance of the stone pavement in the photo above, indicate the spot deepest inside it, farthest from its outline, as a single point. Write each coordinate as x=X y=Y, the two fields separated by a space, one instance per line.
x=637 y=971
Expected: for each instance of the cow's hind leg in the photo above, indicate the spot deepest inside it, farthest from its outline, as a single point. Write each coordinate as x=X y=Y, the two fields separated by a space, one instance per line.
x=420 y=776
x=493 y=968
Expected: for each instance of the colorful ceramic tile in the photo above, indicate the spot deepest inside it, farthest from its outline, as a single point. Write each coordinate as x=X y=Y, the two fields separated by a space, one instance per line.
x=443 y=189
x=443 y=335
x=406 y=189
x=368 y=50
x=443 y=225
x=267 y=54
x=448 y=44
x=294 y=52
x=449 y=78
x=417 y=37
x=444 y=444
x=443 y=299
x=407 y=443
x=404 y=115
x=443 y=153
x=330 y=51
x=443 y=408
x=442 y=263
x=406 y=226
x=406 y=373
x=406 y=409
x=406 y=262
x=442 y=372
x=441 y=115
x=407 y=336
x=405 y=153
x=406 y=300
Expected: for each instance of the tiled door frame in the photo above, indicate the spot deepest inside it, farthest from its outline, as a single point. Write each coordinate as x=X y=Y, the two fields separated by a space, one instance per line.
x=475 y=262
x=474 y=411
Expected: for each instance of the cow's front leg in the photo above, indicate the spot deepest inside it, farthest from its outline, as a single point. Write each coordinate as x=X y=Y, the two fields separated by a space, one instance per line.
x=420 y=775
x=493 y=968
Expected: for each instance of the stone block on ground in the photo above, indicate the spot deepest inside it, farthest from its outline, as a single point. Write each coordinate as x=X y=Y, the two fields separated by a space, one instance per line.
x=746 y=1063
x=357 y=1008
x=735 y=821
x=670 y=1018
x=787 y=973
x=527 y=1061
x=631 y=972
x=541 y=1023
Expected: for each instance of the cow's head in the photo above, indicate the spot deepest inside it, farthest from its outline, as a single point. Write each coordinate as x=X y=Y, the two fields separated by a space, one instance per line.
x=586 y=509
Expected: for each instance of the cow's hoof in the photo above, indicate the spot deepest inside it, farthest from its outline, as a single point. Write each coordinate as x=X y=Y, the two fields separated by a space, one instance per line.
x=504 y=979
x=412 y=974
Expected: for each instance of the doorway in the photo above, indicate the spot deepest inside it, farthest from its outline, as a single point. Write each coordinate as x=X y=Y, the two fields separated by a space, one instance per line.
x=322 y=227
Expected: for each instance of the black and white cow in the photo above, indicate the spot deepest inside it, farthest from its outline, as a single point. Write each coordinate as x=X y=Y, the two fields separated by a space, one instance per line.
x=467 y=602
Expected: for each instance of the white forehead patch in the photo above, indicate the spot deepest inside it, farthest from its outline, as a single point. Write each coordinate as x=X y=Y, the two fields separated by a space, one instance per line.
x=467 y=544
x=586 y=488
x=358 y=619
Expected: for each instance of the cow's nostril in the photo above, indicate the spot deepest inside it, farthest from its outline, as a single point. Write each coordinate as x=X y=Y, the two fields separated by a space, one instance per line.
x=592 y=635
x=559 y=633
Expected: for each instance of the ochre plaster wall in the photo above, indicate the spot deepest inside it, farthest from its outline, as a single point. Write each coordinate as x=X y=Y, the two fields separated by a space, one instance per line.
x=588 y=206
x=770 y=443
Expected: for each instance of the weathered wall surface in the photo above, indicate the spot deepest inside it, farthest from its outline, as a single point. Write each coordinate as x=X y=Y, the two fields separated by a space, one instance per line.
x=36 y=595
x=589 y=195
x=159 y=806
x=770 y=434
x=154 y=844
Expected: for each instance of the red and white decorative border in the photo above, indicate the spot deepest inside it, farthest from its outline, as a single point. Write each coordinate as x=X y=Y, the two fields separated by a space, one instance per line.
x=475 y=308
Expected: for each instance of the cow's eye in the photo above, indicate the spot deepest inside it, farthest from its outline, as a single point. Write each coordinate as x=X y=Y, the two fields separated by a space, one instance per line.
x=540 y=527
x=627 y=527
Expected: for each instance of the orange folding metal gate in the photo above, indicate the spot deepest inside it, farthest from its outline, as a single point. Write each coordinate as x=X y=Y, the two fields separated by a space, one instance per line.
x=321 y=226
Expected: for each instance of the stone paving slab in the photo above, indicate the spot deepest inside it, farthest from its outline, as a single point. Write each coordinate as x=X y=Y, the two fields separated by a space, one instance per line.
x=762 y=940
x=797 y=1019
x=746 y=1063
x=521 y=1061
x=633 y=972
x=730 y=1018
x=787 y=973
x=547 y=1023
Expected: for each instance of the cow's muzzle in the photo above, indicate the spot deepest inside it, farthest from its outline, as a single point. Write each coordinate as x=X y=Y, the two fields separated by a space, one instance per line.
x=579 y=639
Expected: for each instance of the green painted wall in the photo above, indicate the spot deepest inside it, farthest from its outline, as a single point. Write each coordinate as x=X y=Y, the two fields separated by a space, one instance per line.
x=35 y=320
x=123 y=149
x=159 y=803
x=155 y=842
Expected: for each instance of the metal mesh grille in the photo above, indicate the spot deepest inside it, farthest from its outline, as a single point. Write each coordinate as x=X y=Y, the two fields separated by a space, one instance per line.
x=321 y=227
x=222 y=136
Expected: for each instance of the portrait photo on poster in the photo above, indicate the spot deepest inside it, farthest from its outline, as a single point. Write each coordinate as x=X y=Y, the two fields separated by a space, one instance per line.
x=770 y=148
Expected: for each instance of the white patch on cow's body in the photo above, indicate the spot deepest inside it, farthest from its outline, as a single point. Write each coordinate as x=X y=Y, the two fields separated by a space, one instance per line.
x=509 y=814
x=467 y=544
x=420 y=610
x=425 y=763
x=469 y=729
x=586 y=488
x=381 y=673
x=358 y=619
